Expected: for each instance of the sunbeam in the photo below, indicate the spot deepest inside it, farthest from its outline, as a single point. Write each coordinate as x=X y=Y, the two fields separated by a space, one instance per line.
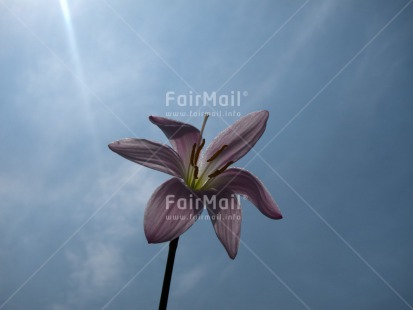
x=71 y=38
x=78 y=71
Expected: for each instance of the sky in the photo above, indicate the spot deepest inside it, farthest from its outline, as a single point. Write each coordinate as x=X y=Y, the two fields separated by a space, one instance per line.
x=336 y=77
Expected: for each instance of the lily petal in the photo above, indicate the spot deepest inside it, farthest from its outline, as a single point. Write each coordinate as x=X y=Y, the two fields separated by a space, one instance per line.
x=149 y=154
x=225 y=214
x=240 y=137
x=171 y=210
x=244 y=183
x=182 y=136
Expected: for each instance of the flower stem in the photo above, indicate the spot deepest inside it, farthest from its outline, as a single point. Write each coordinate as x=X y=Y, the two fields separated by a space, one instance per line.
x=168 y=274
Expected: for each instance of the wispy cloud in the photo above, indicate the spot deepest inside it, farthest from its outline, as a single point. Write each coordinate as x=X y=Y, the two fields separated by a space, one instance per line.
x=188 y=282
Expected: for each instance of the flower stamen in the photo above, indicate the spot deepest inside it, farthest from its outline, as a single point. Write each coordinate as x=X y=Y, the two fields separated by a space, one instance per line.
x=193 y=170
x=196 y=172
x=221 y=170
x=192 y=155
x=198 y=151
x=216 y=154
x=206 y=115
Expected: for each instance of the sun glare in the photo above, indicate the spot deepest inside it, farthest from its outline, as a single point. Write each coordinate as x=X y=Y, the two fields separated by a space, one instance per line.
x=78 y=72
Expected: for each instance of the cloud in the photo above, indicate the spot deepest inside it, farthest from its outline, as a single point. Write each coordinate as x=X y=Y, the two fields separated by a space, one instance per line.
x=98 y=256
x=188 y=281
x=96 y=269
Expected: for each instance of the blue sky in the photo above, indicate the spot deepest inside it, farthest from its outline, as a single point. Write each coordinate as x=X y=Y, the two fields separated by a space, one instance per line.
x=336 y=77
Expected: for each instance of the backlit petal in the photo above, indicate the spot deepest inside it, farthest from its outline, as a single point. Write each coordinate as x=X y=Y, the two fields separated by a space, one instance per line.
x=170 y=211
x=225 y=214
x=240 y=137
x=182 y=136
x=149 y=154
x=244 y=183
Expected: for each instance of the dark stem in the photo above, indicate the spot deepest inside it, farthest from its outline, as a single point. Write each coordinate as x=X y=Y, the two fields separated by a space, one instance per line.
x=168 y=274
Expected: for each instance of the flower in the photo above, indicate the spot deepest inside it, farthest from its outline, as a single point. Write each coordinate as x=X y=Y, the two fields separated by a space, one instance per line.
x=200 y=179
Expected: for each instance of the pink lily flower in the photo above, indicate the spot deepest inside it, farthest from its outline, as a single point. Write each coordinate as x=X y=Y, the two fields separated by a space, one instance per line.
x=200 y=179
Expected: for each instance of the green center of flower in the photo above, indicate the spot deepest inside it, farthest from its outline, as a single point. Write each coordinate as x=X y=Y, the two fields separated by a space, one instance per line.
x=195 y=179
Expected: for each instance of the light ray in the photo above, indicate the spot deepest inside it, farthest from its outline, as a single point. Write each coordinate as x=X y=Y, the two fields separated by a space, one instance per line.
x=78 y=70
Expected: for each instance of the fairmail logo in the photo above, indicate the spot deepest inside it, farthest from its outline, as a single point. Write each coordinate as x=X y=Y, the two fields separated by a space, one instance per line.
x=191 y=99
